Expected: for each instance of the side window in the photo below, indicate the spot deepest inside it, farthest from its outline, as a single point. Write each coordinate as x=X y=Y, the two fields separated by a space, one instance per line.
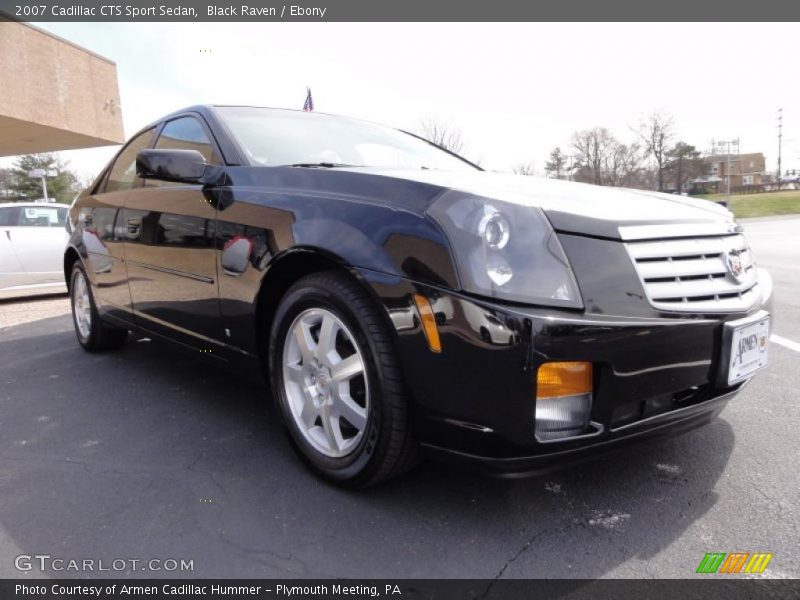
x=9 y=216
x=186 y=133
x=123 y=174
x=44 y=216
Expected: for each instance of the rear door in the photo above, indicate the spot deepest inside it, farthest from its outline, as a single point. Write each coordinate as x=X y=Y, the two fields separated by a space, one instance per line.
x=170 y=245
x=103 y=229
x=39 y=239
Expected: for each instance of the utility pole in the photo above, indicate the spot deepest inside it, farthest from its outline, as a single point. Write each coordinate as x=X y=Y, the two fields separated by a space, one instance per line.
x=729 y=172
x=780 y=144
x=727 y=146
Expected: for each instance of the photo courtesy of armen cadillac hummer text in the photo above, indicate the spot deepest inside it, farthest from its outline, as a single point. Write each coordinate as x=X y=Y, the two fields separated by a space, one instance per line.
x=401 y=301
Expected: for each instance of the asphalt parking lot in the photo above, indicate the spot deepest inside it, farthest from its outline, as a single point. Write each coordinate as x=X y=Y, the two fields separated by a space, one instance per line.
x=146 y=453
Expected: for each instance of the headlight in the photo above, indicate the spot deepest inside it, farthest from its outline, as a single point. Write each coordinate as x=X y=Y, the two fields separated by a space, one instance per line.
x=506 y=251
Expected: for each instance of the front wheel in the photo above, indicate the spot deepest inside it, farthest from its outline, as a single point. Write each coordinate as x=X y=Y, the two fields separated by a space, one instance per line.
x=337 y=382
x=93 y=334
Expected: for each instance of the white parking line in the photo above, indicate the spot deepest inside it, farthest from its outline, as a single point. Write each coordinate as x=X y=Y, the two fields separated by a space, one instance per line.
x=784 y=342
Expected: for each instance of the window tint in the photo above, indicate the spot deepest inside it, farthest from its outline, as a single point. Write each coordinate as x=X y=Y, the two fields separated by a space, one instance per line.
x=8 y=216
x=123 y=173
x=187 y=133
x=42 y=216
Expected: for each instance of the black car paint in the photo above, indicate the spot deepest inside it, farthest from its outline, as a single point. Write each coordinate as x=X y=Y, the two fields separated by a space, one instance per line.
x=203 y=266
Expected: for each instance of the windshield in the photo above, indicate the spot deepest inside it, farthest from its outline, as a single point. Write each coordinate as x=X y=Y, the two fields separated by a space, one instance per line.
x=273 y=137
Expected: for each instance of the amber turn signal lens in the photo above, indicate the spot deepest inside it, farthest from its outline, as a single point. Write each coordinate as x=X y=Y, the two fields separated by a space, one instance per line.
x=428 y=323
x=568 y=378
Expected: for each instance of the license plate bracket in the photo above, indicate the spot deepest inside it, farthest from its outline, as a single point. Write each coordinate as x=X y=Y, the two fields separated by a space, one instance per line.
x=745 y=344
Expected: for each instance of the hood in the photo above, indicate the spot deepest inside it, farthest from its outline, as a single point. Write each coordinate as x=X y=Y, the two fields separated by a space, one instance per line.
x=576 y=207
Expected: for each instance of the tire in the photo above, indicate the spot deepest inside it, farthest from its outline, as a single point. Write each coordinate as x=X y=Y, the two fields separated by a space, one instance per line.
x=308 y=382
x=93 y=334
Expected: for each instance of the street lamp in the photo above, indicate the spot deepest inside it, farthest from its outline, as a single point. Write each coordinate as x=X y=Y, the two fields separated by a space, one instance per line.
x=42 y=174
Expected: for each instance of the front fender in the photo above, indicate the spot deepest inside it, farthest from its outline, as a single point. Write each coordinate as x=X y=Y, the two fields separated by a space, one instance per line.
x=360 y=234
x=74 y=250
x=403 y=245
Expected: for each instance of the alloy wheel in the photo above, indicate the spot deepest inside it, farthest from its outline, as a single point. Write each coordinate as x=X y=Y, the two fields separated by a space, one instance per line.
x=325 y=381
x=81 y=306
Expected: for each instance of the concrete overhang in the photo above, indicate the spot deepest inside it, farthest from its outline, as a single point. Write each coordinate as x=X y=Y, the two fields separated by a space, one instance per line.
x=55 y=95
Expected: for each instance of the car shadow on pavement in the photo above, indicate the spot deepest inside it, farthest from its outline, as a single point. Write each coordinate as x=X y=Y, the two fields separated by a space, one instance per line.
x=147 y=453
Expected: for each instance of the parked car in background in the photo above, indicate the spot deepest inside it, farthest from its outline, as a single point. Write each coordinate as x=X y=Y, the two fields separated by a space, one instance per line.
x=400 y=298
x=32 y=239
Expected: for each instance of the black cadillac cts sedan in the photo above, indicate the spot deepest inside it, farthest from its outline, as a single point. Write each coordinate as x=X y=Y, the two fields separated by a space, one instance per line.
x=400 y=300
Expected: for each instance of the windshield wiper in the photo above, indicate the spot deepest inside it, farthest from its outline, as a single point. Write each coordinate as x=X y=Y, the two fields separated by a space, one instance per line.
x=320 y=165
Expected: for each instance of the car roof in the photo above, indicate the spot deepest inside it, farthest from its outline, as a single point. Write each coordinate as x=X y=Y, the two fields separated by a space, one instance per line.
x=205 y=109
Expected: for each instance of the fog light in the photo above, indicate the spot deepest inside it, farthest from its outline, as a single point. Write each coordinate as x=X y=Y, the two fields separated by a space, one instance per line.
x=563 y=399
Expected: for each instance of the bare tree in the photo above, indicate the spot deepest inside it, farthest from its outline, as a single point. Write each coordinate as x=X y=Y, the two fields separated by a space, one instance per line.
x=603 y=160
x=657 y=132
x=556 y=165
x=624 y=168
x=593 y=147
x=524 y=168
x=441 y=134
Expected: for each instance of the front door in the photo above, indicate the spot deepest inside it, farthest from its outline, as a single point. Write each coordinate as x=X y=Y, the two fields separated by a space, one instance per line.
x=170 y=246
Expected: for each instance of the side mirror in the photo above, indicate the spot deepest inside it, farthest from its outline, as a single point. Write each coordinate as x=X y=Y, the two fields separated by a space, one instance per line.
x=182 y=166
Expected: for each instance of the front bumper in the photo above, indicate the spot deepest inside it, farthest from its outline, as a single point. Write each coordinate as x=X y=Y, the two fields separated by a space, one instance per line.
x=475 y=401
x=670 y=423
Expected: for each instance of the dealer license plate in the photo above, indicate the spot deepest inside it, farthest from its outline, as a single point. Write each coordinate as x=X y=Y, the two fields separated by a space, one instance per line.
x=748 y=350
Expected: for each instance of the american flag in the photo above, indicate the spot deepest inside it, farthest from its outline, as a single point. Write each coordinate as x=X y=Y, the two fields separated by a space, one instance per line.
x=309 y=103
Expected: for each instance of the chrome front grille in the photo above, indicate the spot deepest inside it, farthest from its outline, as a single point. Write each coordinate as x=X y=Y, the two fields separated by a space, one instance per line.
x=696 y=274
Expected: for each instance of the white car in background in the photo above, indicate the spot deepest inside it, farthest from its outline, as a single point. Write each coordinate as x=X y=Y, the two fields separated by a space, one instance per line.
x=32 y=241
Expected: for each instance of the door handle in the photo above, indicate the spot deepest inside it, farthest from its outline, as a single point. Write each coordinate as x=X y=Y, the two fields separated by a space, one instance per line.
x=8 y=235
x=134 y=228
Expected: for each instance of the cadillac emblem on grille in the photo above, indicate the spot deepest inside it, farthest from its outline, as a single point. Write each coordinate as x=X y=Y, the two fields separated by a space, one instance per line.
x=733 y=260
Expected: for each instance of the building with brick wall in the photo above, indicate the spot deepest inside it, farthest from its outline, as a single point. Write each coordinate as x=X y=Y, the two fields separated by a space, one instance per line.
x=55 y=95
x=743 y=170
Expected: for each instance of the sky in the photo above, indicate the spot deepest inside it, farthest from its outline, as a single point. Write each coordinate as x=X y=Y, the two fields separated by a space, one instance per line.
x=515 y=90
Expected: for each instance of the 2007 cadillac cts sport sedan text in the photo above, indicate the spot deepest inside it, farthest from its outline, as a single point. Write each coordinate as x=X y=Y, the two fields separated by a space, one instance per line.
x=402 y=301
